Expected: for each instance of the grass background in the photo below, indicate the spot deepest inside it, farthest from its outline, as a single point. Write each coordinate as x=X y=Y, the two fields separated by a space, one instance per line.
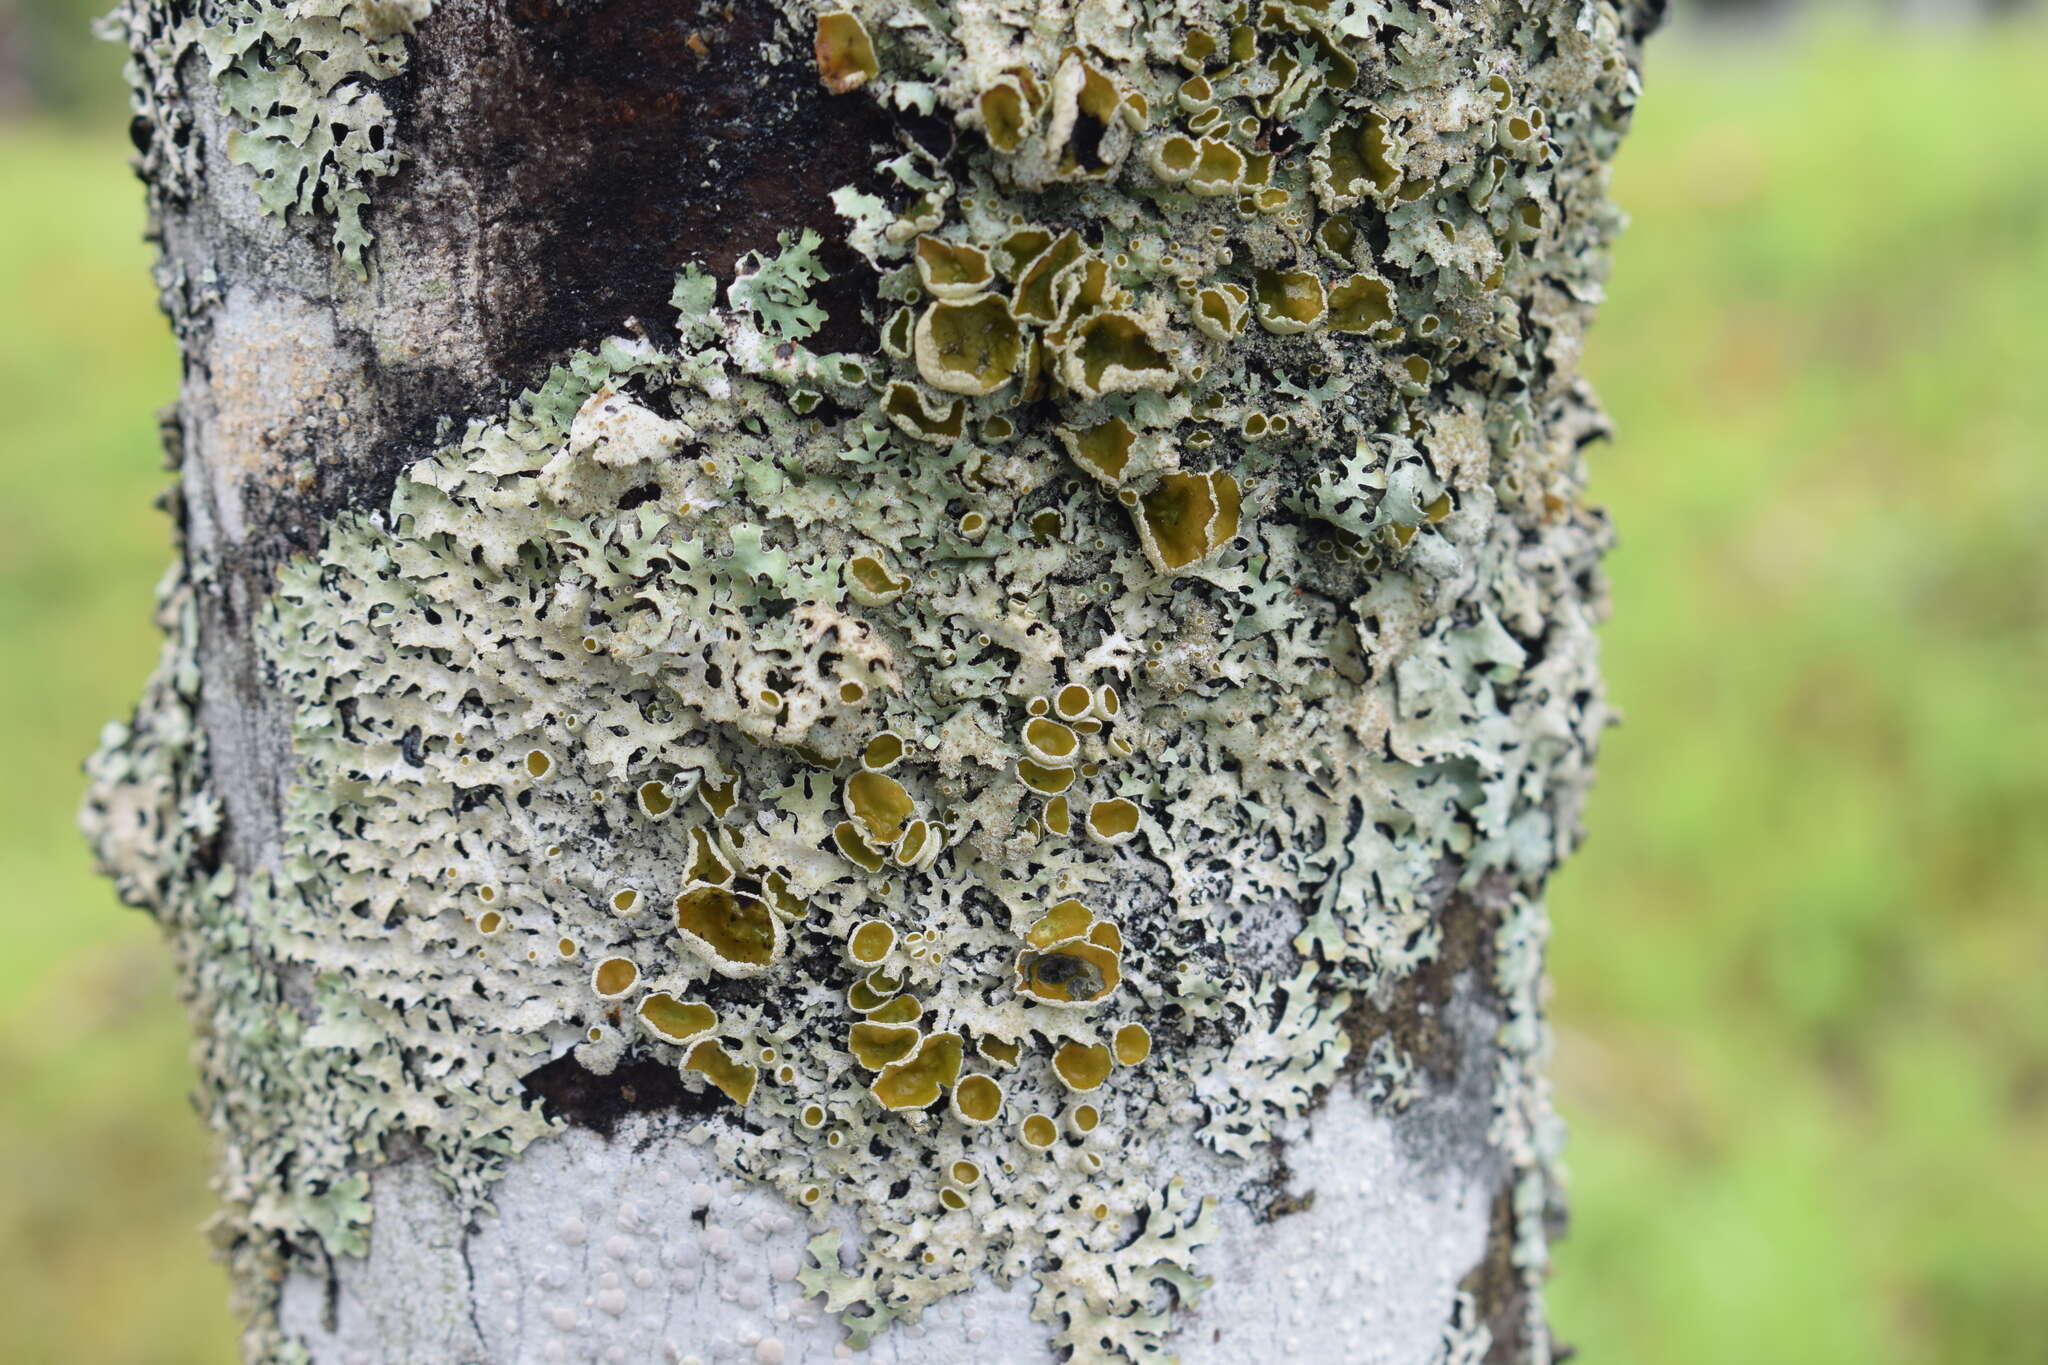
x=1802 y=1026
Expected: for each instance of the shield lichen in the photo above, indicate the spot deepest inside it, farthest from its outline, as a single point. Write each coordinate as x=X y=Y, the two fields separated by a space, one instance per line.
x=673 y=1020
x=735 y=934
x=968 y=693
x=845 y=53
x=978 y=1099
x=301 y=82
x=919 y=1080
x=734 y=1078
x=969 y=346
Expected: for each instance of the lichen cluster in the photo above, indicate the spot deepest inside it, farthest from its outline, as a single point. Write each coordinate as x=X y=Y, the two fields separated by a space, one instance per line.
x=972 y=756
x=298 y=79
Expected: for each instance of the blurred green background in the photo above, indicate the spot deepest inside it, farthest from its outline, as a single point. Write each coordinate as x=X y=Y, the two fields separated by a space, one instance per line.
x=1799 y=969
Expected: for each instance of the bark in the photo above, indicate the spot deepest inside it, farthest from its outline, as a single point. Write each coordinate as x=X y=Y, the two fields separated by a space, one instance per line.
x=613 y=431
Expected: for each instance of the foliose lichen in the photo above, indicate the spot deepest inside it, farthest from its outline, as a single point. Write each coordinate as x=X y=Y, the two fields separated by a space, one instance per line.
x=298 y=78
x=981 y=750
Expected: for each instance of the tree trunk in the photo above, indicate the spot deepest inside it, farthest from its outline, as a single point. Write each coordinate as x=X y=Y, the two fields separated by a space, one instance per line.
x=900 y=678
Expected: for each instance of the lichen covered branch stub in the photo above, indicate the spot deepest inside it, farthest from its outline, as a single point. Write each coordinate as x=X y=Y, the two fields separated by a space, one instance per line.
x=966 y=756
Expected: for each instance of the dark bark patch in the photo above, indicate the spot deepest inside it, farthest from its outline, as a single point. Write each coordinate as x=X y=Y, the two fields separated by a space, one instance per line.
x=638 y=1085
x=1499 y=1292
x=607 y=143
x=1282 y=1205
x=1413 y=1011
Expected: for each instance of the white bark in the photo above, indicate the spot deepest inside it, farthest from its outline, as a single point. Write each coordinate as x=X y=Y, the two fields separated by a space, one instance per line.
x=639 y=1248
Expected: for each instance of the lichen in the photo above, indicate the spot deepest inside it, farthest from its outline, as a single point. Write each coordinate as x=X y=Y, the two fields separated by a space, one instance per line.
x=1068 y=701
x=299 y=80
